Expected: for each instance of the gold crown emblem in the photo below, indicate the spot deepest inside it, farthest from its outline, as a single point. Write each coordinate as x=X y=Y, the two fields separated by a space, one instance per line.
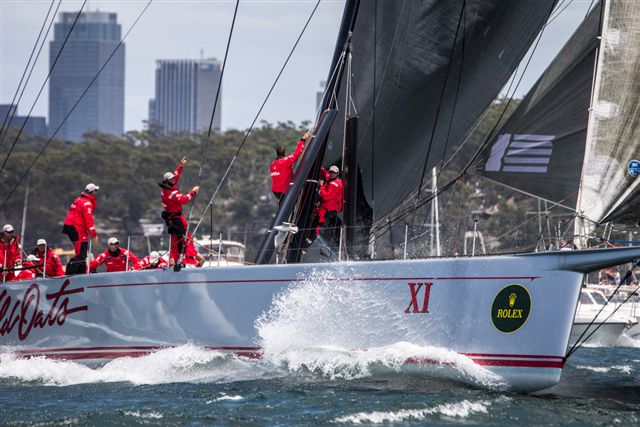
x=512 y=299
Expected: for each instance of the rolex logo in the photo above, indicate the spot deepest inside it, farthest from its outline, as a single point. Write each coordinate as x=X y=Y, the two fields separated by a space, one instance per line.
x=512 y=299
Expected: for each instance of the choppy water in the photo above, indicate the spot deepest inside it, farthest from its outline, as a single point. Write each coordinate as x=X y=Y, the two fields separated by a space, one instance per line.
x=301 y=382
x=190 y=385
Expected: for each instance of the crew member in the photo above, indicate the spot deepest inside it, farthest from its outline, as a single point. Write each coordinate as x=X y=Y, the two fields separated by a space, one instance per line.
x=191 y=256
x=330 y=202
x=29 y=268
x=53 y=264
x=115 y=258
x=282 y=168
x=78 y=225
x=9 y=252
x=151 y=262
x=172 y=201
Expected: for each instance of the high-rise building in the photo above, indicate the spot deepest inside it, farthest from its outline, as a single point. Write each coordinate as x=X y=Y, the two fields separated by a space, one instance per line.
x=185 y=92
x=33 y=126
x=95 y=36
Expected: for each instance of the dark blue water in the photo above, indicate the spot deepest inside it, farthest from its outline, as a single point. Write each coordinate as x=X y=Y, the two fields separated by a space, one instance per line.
x=188 y=385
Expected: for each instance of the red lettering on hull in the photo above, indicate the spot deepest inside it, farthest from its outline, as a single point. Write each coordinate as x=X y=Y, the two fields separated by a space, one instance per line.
x=26 y=313
x=415 y=290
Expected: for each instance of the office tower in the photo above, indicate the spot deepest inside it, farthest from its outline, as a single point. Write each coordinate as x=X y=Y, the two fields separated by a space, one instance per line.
x=95 y=36
x=34 y=126
x=185 y=92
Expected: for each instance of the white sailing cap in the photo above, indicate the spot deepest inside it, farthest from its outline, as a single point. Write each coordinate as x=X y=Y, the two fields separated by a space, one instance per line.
x=154 y=257
x=7 y=227
x=112 y=240
x=167 y=176
x=334 y=168
x=91 y=187
x=32 y=258
x=41 y=242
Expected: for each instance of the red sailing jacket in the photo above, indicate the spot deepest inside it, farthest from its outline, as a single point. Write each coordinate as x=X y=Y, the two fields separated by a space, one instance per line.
x=172 y=200
x=145 y=264
x=114 y=262
x=190 y=251
x=80 y=214
x=9 y=253
x=331 y=195
x=54 y=266
x=282 y=170
x=28 y=273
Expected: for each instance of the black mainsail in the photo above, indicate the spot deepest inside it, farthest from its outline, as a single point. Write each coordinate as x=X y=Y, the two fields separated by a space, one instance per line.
x=422 y=74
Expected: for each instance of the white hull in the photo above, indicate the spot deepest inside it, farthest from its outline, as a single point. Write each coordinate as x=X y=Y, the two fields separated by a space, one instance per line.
x=607 y=335
x=447 y=303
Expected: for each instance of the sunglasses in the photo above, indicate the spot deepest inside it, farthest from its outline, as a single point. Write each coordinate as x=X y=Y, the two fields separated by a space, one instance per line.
x=9 y=232
x=114 y=244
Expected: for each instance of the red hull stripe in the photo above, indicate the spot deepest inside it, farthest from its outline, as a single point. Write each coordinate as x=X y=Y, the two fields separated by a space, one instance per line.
x=95 y=353
x=351 y=279
x=146 y=349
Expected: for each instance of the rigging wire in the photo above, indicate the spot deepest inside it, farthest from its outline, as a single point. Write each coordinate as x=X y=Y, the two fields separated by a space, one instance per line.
x=7 y=120
x=580 y=342
x=255 y=119
x=44 y=147
x=213 y=113
x=55 y=61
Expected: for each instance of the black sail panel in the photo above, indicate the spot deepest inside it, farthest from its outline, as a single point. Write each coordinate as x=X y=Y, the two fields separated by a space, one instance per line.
x=540 y=149
x=423 y=72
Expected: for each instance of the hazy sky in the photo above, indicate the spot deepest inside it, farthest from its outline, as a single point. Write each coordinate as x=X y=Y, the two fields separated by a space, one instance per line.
x=264 y=33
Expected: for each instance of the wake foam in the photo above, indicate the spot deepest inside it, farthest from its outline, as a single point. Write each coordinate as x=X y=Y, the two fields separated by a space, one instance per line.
x=462 y=409
x=187 y=363
x=341 y=331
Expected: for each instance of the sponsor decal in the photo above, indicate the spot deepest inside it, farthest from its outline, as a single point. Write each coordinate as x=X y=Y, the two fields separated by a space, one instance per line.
x=511 y=308
x=419 y=297
x=520 y=153
x=634 y=168
x=26 y=314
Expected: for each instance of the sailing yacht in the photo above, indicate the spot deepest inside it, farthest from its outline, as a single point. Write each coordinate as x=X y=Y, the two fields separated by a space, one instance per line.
x=408 y=81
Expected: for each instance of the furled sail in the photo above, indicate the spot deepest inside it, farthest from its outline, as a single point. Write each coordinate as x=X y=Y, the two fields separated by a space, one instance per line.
x=422 y=74
x=610 y=182
x=540 y=149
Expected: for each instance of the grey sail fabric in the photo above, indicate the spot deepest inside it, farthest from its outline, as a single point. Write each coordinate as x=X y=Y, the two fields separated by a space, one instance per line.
x=423 y=72
x=540 y=149
x=609 y=190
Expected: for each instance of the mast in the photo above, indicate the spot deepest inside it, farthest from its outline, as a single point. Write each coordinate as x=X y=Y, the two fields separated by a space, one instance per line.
x=309 y=165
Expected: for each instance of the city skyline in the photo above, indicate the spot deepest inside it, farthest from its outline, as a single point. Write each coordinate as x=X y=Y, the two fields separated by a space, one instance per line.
x=264 y=34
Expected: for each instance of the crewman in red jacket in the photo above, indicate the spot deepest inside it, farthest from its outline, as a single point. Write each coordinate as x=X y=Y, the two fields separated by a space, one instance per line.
x=191 y=256
x=53 y=264
x=172 y=201
x=330 y=202
x=282 y=168
x=29 y=268
x=115 y=258
x=9 y=253
x=78 y=225
x=152 y=261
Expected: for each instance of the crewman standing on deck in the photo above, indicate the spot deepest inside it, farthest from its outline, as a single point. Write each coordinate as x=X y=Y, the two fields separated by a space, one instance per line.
x=78 y=225
x=172 y=201
x=282 y=168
